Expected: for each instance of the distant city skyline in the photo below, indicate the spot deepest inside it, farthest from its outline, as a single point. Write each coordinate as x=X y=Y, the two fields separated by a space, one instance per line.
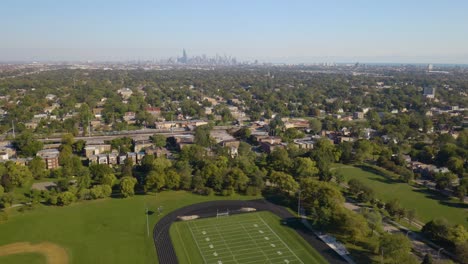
x=297 y=31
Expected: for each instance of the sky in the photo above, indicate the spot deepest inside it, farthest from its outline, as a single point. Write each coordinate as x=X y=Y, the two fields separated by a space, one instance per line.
x=289 y=31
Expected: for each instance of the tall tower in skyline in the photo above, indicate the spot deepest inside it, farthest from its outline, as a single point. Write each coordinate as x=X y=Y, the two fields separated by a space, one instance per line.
x=184 y=58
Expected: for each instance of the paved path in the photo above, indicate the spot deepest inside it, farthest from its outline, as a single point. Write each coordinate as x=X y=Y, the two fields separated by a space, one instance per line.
x=419 y=244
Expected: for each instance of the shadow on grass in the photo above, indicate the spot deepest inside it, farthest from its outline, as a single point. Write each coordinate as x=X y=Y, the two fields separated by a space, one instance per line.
x=296 y=224
x=386 y=178
x=277 y=197
x=444 y=200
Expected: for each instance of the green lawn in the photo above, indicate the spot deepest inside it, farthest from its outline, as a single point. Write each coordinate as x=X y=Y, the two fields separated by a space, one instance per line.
x=428 y=204
x=101 y=231
x=245 y=238
x=29 y=258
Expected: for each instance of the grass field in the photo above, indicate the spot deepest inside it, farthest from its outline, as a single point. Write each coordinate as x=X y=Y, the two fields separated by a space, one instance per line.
x=428 y=204
x=100 y=231
x=245 y=238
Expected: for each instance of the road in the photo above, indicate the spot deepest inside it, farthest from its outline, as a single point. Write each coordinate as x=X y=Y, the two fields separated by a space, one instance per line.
x=136 y=134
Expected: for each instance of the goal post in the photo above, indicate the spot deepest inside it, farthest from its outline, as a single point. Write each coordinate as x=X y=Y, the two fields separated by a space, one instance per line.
x=221 y=214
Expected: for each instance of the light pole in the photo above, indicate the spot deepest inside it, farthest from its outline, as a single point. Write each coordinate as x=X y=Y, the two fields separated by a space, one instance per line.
x=147 y=222
x=438 y=252
x=408 y=232
x=299 y=203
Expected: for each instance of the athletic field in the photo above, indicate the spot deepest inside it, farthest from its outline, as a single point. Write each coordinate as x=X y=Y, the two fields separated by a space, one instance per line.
x=243 y=238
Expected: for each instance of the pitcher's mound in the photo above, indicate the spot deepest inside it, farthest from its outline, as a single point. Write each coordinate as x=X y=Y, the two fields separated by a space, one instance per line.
x=54 y=253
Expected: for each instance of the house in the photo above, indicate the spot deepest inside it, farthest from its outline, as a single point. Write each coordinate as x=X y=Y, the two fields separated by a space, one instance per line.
x=130 y=117
x=154 y=111
x=342 y=139
x=157 y=152
x=113 y=158
x=140 y=156
x=232 y=145
x=31 y=125
x=271 y=140
x=51 y=97
x=305 y=143
x=122 y=158
x=50 y=157
x=126 y=93
x=358 y=115
x=140 y=145
x=208 y=110
x=96 y=149
x=97 y=112
x=103 y=159
x=429 y=92
x=132 y=156
x=3 y=156
x=269 y=147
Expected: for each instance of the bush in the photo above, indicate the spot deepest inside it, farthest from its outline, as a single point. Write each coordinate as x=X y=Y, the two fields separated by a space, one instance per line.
x=204 y=191
x=65 y=198
x=228 y=192
x=252 y=191
x=52 y=200
x=6 y=200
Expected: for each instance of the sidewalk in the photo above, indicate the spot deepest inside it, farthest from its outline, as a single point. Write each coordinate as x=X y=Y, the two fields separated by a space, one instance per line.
x=419 y=243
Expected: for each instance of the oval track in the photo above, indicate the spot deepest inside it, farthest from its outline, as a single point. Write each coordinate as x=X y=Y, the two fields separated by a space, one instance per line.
x=165 y=250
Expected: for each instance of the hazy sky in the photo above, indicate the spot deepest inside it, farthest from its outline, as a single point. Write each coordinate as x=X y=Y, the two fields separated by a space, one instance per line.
x=277 y=31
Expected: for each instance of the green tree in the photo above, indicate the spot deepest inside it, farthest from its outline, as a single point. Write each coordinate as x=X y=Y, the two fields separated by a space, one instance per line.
x=351 y=224
x=108 y=179
x=26 y=145
x=283 y=181
x=155 y=180
x=37 y=167
x=172 y=179
x=374 y=220
x=305 y=167
x=127 y=186
x=127 y=168
x=395 y=248
x=322 y=199
x=315 y=125
x=159 y=140
x=202 y=136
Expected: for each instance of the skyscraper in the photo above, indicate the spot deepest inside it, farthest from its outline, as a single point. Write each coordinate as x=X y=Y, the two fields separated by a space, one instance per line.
x=184 y=57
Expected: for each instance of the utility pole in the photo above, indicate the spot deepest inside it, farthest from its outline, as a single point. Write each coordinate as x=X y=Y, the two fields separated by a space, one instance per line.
x=147 y=221
x=13 y=125
x=299 y=204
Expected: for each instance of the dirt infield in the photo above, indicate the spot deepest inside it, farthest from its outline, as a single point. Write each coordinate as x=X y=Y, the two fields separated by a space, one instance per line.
x=54 y=253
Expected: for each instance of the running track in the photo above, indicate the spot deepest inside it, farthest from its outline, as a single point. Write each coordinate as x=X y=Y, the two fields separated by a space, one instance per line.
x=165 y=250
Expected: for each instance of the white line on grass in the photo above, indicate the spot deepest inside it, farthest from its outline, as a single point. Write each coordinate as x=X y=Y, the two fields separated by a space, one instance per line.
x=224 y=241
x=255 y=242
x=199 y=249
x=279 y=238
x=183 y=244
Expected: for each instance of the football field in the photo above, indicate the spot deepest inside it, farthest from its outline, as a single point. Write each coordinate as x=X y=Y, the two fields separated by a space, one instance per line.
x=244 y=238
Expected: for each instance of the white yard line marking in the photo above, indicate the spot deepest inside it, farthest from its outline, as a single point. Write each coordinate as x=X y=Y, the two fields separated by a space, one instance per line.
x=279 y=238
x=255 y=242
x=183 y=244
x=199 y=249
x=224 y=241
